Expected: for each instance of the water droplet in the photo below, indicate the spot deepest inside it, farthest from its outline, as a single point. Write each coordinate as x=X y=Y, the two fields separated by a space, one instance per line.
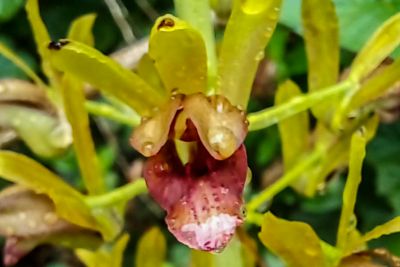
x=259 y=56
x=224 y=190
x=147 y=148
x=174 y=91
x=222 y=141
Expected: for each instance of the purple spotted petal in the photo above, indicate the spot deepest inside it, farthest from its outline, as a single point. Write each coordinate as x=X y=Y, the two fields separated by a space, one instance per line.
x=203 y=199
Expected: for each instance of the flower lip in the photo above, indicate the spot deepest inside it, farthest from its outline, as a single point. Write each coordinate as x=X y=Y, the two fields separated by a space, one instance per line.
x=203 y=198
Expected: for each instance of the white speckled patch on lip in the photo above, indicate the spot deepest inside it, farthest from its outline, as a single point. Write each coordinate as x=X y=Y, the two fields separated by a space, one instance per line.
x=214 y=233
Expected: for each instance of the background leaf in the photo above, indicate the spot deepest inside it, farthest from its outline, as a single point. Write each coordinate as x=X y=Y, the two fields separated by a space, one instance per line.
x=358 y=19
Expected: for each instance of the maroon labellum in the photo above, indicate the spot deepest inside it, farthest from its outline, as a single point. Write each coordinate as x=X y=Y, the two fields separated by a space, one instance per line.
x=202 y=194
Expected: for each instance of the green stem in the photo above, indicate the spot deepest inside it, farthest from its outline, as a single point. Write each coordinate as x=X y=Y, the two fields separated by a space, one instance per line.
x=254 y=218
x=122 y=194
x=198 y=14
x=108 y=111
x=269 y=116
x=284 y=181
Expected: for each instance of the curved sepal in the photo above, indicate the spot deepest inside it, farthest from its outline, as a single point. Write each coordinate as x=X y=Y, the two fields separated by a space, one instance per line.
x=179 y=54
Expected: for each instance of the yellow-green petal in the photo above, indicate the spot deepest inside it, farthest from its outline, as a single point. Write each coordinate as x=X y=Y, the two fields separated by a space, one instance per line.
x=378 y=47
x=41 y=36
x=248 y=31
x=322 y=46
x=376 y=86
x=92 y=66
x=147 y=70
x=109 y=255
x=347 y=224
x=294 y=131
x=198 y=14
x=42 y=132
x=179 y=54
x=295 y=242
x=152 y=249
x=390 y=227
x=69 y=203
x=74 y=108
x=232 y=256
x=81 y=29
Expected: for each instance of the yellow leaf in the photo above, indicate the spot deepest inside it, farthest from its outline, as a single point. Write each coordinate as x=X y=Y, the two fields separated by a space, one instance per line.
x=390 y=227
x=295 y=242
x=179 y=54
x=347 y=224
x=109 y=255
x=322 y=47
x=41 y=35
x=378 y=47
x=376 y=86
x=90 y=65
x=74 y=108
x=68 y=202
x=81 y=29
x=293 y=131
x=248 y=31
x=151 y=251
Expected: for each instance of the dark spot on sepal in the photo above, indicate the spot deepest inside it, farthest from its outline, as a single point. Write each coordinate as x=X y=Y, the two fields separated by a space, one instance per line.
x=57 y=45
x=167 y=23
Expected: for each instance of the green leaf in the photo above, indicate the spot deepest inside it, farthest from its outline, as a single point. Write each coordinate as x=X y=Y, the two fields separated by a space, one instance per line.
x=322 y=46
x=357 y=19
x=152 y=249
x=9 y=8
x=347 y=224
x=74 y=108
x=179 y=54
x=248 y=31
x=295 y=242
x=68 y=202
x=294 y=131
x=81 y=29
x=106 y=256
x=90 y=65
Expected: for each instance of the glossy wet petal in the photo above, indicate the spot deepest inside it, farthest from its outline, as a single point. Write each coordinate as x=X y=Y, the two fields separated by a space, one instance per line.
x=153 y=132
x=203 y=199
x=221 y=126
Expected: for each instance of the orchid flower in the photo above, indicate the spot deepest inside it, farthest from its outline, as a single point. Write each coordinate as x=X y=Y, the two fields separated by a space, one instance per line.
x=193 y=118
